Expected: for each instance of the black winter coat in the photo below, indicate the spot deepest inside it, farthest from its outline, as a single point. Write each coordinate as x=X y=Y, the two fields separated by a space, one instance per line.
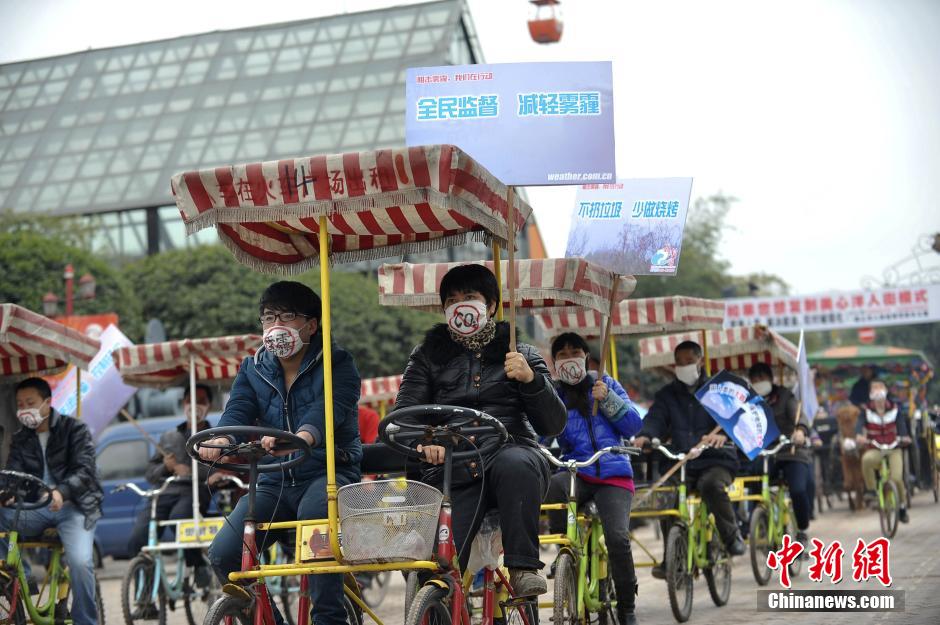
x=677 y=416
x=70 y=453
x=784 y=404
x=441 y=371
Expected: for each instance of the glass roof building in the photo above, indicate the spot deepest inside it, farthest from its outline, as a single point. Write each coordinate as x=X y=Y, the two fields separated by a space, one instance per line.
x=99 y=133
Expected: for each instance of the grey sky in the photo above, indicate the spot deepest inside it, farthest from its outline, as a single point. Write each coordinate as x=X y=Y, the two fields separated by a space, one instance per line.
x=821 y=116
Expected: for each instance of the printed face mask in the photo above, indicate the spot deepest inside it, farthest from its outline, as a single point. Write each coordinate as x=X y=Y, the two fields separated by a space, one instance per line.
x=282 y=341
x=687 y=374
x=763 y=388
x=30 y=417
x=570 y=370
x=466 y=318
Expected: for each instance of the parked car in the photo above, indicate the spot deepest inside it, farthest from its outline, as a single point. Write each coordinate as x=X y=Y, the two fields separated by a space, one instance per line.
x=123 y=452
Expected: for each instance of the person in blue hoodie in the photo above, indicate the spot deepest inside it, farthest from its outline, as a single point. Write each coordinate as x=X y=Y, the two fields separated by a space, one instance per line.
x=609 y=482
x=281 y=387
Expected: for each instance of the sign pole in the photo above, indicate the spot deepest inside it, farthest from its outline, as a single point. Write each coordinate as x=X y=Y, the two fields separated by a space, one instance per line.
x=510 y=266
x=78 y=392
x=605 y=340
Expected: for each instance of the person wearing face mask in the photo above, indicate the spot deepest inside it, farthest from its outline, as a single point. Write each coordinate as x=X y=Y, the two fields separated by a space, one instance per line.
x=677 y=418
x=282 y=387
x=176 y=502
x=882 y=421
x=59 y=450
x=609 y=482
x=795 y=462
x=466 y=362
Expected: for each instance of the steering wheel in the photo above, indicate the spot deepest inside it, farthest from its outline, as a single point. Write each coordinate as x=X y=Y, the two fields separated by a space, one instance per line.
x=442 y=425
x=27 y=491
x=249 y=453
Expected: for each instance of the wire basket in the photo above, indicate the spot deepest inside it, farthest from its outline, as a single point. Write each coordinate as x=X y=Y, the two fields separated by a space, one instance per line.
x=388 y=521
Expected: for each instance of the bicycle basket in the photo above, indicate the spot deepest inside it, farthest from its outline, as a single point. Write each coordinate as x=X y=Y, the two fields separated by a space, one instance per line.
x=665 y=498
x=388 y=521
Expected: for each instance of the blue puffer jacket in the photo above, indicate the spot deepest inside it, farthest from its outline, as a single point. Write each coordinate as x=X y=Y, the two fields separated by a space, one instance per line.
x=259 y=397
x=616 y=418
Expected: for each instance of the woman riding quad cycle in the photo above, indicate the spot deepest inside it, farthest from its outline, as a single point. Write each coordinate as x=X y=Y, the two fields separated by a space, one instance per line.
x=467 y=362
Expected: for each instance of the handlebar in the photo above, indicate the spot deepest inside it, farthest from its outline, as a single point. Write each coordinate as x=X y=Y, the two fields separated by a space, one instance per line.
x=888 y=447
x=153 y=492
x=658 y=446
x=783 y=442
x=573 y=465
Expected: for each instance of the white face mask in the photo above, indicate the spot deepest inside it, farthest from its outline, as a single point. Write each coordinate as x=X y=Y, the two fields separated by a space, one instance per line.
x=466 y=318
x=282 y=341
x=763 y=388
x=876 y=395
x=687 y=374
x=30 y=417
x=571 y=370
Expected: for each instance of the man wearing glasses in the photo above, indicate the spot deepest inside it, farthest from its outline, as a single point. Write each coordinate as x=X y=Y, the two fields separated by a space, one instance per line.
x=281 y=386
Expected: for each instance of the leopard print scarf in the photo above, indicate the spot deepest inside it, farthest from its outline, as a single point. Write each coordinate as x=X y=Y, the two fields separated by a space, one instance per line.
x=476 y=342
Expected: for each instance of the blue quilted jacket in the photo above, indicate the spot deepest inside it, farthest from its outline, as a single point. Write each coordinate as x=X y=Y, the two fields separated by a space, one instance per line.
x=259 y=398
x=616 y=418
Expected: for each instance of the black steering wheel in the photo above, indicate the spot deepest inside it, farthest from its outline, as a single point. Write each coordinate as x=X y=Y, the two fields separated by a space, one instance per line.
x=435 y=424
x=248 y=454
x=26 y=491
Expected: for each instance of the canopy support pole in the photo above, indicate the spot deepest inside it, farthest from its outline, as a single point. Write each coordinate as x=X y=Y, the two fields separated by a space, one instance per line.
x=382 y=408
x=194 y=465
x=498 y=271
x=708 y=362
x=332 y=509
x=78 y=392
x=510 y=266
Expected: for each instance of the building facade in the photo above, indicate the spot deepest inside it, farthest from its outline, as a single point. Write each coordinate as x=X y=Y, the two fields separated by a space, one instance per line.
x=96 y=135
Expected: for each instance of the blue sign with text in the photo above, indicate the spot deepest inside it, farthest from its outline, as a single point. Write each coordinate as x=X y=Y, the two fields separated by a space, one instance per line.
x=527 y=123
x=740 y=412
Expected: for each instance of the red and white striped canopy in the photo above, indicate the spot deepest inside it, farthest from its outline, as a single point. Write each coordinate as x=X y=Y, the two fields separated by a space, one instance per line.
x=380 y=203
x=375 y=390
x=733 y=349
x=540 y=284
x=642 y=316
x=167 y=364
x=31 y=344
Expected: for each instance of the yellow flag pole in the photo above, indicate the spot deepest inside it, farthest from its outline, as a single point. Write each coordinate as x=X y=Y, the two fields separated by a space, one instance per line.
x=498 y=271
x=614 y=373
x=708 y=362
x=331 y=498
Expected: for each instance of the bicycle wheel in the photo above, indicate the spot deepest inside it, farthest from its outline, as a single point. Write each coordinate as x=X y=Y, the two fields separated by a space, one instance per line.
x=197 y=601
x=229 y=610
x=758 y=539
x=607 y=593
x=790 y=528
x=565 y=610
x=15 y=616
x=63 y=609
x=678 y=575
x=375 y=587
x=718 y=573
x=888 y=513
x=411 y=589
x=136 y=593
x=429 y=607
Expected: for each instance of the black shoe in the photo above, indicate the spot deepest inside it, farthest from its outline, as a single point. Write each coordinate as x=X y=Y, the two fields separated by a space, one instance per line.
x=145 y=613
x=902 y=516
x=736 y=546
x=626 y=616
x=659 y=571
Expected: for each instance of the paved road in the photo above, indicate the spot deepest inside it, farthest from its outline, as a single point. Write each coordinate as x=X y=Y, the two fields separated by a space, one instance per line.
x=914 y=564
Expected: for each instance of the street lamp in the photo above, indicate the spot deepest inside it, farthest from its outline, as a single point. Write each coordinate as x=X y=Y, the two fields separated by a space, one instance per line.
x=86 y=290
